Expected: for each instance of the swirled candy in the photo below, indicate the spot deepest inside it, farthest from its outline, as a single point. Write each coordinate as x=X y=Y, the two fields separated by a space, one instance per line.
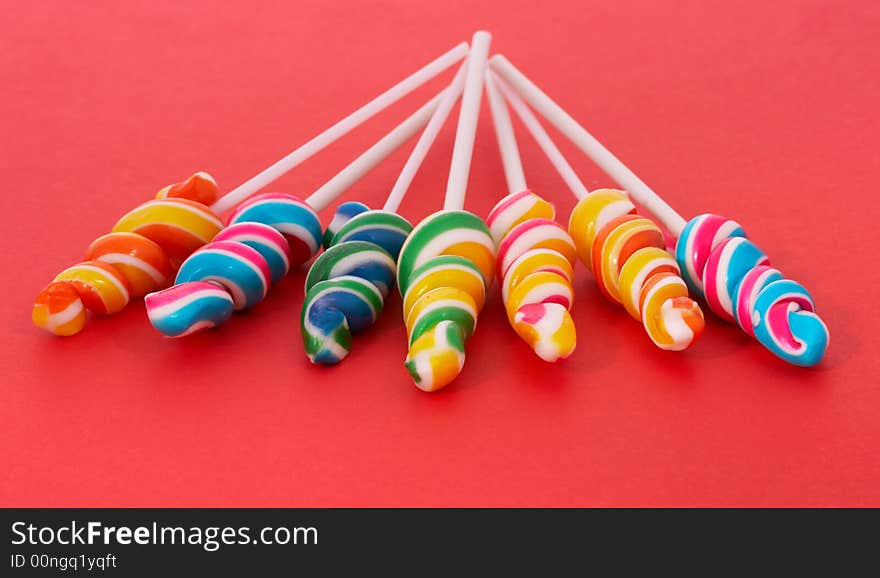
x=98 y=287
x=442 y=304
x=626 y=254
x=446 y=270
x=447 y=233
x=102 y=289
x=588 y=218
x=747 y=292
x=59 y=310
x=383 y=228
x=344 y=213
x=359 y=258
x=333 y=310
x=200 y=187
x=364 y=245
x=737 y=282
x=534 y=234
x=188 y=307
x=538 y=296
x=516 y=208
x=221 y=277
x=436 y=357
x=266 y=236
x=725 y=268
x=697 y=241
x=785 y=321
x=179 y=226
x=139 y=260
x=236 y=267
x=265 y=240
x=441 y=295
x=548 y=329
x=292 y=217
x=535 y=259
x=138 y=257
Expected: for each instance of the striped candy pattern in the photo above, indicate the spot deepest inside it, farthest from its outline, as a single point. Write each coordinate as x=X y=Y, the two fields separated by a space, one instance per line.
x=292 y=217
x=535 y=265
x=333 y=310
x=627 y=256
x=172 y=311
x=139 y=256
x=267 y=235
x=736 y=280
x=443 y=296
x=265 y=240
x=343 y=284
x=344 y=213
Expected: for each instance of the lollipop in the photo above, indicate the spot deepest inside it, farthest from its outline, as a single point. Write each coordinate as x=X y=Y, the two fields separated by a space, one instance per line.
x=151 y=241
x=267 y=235
x=626 y=253
x=360 y=262
x=137 y=257
x=535 y=254
x=441 y=310
x=715 y=258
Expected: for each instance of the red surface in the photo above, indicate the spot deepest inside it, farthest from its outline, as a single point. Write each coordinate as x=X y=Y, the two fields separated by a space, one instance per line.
x=766 y=112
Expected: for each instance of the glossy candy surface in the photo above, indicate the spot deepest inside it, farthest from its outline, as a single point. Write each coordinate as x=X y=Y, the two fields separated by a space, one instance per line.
x=516 y=208
x=142 y=263
x=178 y=225
x=138 y=257
x=387 y=230
x=288 y=214
x=333 y=310
x=59 y=310
x=188 y=307
x=266 y=240
x=437 y=357
x=343 y=214
x=445 y=266
x=626 y=254
x=535 y=259
x=735 y=278
x=200 y=187
x=267 y=235
x=239 y=269
x=447 y=233
x=361 y=256
x=102 y=288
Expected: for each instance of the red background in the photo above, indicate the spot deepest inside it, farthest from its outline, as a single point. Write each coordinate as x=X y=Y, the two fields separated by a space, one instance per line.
x=765 y=112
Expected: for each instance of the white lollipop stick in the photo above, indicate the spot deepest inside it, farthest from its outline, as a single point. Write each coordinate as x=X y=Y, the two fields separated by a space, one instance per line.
x=600 y=155
x=367 y=161
x=533 y=125
x=463 y=148
x=510 y=160
x=341 y=128
x=438 y=119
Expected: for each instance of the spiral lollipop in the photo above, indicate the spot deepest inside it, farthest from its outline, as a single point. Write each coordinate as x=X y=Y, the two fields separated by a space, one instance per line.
x=148 y=244
x=347 y=285
x=625 y=252
x=535 y=254
x=267 y=235
x=448 y=260
x=137 y=257
x=713 y=254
